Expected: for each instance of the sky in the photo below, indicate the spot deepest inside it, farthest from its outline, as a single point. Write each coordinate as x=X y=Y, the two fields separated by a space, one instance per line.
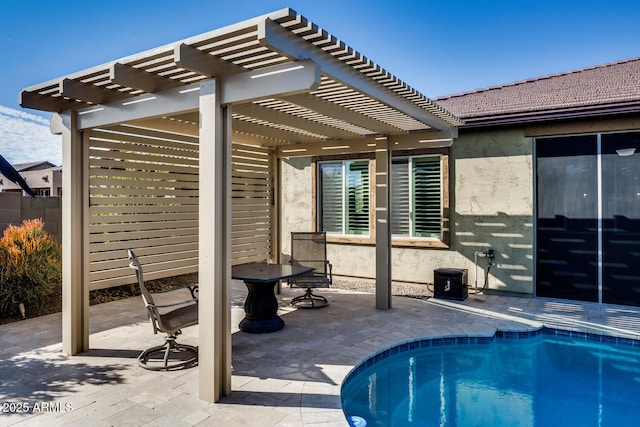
x=439 y=47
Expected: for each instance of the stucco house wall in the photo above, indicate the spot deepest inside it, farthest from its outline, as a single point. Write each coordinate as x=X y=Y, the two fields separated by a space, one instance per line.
x=491 y=174
x=491 y=207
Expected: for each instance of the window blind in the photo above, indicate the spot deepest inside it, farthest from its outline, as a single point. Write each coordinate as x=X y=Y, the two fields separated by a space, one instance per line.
x=331 y=200
x=416 y=193
x=344 y=188
x=357 y=209
x=427 y=188
x=400 y=198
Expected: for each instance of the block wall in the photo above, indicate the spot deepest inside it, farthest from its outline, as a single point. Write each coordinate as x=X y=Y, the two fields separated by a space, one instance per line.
x=15 y=208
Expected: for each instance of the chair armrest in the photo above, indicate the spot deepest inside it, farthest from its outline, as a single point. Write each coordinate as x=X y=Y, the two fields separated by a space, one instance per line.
x=291 y=279
x=193 y=289
x=174 y=304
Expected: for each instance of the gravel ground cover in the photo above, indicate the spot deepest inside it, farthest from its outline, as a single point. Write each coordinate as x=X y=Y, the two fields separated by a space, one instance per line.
x=412 y=290
x=54 y=302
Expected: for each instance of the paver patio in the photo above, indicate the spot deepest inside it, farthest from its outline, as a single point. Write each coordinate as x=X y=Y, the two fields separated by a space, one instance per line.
x=288 y=378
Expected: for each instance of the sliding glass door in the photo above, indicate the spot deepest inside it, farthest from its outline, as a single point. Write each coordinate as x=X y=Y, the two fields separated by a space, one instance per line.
x=588 y=218
x=621 y=218
x=567 y=241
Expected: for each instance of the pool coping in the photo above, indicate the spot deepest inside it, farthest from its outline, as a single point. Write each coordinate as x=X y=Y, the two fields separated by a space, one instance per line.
x=429 y=342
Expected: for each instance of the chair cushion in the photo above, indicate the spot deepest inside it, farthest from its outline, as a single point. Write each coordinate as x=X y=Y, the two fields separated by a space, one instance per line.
x=310 y=281
x=179 y=318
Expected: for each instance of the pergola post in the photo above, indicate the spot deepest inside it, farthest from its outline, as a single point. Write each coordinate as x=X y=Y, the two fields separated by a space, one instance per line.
x=383 y=227
x=214 y=244
x=75 y=296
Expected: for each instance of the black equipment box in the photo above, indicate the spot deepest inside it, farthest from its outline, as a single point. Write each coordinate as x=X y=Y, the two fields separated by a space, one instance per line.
x=450 y=283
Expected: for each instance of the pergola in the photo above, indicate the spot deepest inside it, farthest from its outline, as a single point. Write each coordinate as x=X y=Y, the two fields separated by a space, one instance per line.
x=158 y=147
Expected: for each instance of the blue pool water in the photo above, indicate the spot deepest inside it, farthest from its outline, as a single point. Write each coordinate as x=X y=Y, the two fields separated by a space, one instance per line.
x=550 y=378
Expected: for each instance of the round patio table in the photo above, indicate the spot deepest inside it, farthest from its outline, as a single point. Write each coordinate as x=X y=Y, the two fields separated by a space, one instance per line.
x=261 y=304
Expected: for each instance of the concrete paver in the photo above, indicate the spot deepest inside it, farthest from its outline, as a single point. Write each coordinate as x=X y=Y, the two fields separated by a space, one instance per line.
x=287 y=378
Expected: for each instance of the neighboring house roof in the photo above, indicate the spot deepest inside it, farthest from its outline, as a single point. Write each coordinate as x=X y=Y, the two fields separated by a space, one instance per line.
x=604 y=89
x=23 y=167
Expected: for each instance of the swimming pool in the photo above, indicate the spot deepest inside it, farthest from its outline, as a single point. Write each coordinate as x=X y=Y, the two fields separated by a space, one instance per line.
x=547 y=377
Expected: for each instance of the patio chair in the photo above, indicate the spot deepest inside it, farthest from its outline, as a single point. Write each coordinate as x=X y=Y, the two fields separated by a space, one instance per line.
x=170 y=319
x=309 y=249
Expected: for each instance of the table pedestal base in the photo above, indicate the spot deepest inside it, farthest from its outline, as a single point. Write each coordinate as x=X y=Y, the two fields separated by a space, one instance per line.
x=261 y=309
x=261 y=326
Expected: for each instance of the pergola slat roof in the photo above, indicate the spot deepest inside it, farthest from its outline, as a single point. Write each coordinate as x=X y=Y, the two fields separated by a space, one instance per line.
x=354 y=98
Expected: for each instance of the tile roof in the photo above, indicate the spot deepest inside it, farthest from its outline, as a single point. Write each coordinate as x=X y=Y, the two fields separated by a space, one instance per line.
x=21 y=167
x=607 y=88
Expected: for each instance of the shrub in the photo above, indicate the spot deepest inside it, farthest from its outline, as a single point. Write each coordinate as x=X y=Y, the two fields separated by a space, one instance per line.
x=30 y=266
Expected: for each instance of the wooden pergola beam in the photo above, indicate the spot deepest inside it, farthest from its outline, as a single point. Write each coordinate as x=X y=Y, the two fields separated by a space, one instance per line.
x=412 y=141
x=283 y=79
x=271 y=132
x=146 y=106
x=134 y=78
x=193 y=59
x=280 y=39
x=290 y=78
x=274 y=116
x=37 y=101
x=87 y=92
x=339 y=112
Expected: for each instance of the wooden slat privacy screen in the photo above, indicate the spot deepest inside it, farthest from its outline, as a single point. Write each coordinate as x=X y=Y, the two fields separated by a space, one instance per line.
x=143 y=194
x=252 y=204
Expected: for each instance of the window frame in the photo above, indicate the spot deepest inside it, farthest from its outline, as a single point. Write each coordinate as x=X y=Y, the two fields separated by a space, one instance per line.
x=396 y=241
x=342 y=237
x=345 y=206
x=411 y=215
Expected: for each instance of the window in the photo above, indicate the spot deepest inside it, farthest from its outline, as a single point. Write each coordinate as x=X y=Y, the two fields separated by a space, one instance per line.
x=344 y=194
x=416 y=197
x=344 y=197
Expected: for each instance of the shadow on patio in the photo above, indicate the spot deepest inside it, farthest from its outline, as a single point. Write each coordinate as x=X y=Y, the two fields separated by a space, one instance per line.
x=291 y=377
x=41 y=376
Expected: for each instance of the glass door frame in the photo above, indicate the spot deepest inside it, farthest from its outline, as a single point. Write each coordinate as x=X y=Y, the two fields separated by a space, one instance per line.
x=600 y=209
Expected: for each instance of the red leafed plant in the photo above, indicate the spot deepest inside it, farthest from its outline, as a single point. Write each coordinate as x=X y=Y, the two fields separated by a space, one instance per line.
x=30 y=266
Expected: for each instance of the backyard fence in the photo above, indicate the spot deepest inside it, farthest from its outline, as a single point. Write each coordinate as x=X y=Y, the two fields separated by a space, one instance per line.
x=143 y=194
x=15 y=208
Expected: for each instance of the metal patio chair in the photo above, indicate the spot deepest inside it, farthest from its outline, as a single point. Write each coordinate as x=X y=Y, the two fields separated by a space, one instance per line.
x=170 y=319
x=309 y=249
